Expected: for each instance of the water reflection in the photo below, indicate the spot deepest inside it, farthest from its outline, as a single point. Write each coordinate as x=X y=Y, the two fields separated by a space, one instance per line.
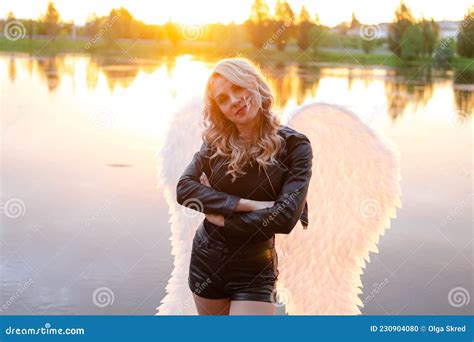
x=463 y=90
x=464 y=103
x=89 y=128
x=49 y=71
x=404 y=87
x=12 y=70
x=118 y=72
x=293 y=84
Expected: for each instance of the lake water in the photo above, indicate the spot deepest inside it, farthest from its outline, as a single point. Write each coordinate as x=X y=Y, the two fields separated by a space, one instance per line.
x=79 y=138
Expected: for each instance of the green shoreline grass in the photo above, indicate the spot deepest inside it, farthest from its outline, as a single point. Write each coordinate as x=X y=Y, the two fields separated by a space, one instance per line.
x=156 y=49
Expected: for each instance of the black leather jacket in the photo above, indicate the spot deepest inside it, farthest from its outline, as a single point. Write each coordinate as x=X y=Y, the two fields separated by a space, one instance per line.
x=287 y=185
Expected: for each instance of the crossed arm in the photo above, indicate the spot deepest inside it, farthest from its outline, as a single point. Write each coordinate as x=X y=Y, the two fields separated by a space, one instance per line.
x=264 y=218
x=194 y=191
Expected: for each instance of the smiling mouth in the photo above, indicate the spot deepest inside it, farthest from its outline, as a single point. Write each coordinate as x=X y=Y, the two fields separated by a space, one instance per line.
x=241 y=110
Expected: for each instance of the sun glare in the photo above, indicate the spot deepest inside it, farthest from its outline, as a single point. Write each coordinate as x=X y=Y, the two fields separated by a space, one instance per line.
x=211 y=11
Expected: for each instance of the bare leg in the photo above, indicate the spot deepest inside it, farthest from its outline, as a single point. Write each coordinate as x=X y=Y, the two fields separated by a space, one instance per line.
x=247 y=307
x=206 y=306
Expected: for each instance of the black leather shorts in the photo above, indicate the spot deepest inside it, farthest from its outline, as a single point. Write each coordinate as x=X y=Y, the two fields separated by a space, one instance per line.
x=243 y=272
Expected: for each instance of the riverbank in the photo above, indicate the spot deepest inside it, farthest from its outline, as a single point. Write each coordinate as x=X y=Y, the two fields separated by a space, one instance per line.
x=155 y=49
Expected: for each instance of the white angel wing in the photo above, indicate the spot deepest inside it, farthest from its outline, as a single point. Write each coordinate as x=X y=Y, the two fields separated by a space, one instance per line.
x=353 y=193
x=182 y=141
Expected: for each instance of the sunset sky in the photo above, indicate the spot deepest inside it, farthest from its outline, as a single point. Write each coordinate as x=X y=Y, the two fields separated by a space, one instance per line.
x=331 y=12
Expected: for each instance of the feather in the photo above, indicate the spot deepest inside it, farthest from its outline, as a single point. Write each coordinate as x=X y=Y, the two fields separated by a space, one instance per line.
x=353 y=194
x=354 y=191
x=183 y=140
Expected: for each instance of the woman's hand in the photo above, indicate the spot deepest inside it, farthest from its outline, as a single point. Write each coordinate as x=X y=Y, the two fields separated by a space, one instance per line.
x=216 y=219
x=204 y=180
x=263 y=204
x=251 y=205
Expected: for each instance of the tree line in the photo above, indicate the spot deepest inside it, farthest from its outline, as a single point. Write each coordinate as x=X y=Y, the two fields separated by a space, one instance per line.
x=407 y=37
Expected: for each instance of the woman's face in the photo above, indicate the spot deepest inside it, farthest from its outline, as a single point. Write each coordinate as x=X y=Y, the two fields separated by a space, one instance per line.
x=230 y=99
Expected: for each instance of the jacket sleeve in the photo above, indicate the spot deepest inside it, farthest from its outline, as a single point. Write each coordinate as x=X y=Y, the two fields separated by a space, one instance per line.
x=192 y=194
x=288 y=207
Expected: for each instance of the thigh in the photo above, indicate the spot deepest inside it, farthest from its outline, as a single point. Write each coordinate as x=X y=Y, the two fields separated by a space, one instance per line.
x=246 y=307
x=207 y=306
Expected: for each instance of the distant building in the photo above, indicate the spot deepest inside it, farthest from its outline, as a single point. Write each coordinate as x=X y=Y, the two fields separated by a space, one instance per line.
x=446 y=29
x=379 y=30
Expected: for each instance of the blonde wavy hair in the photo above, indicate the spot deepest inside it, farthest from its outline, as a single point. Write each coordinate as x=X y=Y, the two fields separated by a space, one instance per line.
x=222 y=134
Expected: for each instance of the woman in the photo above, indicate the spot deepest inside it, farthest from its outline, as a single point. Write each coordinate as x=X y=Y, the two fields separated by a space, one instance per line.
x=250 y=179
